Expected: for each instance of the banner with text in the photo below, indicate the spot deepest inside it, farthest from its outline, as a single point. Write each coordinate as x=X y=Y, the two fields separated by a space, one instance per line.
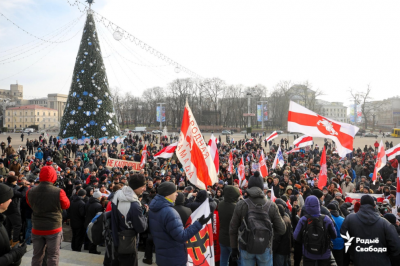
x=121 y=163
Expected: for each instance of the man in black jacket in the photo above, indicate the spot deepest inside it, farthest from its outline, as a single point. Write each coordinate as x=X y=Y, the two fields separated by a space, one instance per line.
x=8 y=256
x=13 y=213
x=92 y=208
x=382 y=237
x=184 y=212
x=225 y=211
x=77 y=216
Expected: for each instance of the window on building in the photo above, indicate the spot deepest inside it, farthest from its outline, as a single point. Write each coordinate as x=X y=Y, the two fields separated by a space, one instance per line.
x=44 y=113
x=20 y=113
x=54 y=114
x=8 y=113
x=31 y=119
x=31 y=113
x=37 y=113
x=26 y=113
x=9 y=120
x=49 y=113
x=44 y=126
x=52 y=105
x=26 y=120
x=8 y=125
x=38 y=119
x=20 y=126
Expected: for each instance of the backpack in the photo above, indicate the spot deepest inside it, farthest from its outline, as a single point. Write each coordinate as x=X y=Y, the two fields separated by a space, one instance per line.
x=315 y=237
x=256 y=232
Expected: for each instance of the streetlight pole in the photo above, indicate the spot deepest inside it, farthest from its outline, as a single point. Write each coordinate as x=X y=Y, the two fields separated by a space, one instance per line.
x=160 y=114
x=262 y=113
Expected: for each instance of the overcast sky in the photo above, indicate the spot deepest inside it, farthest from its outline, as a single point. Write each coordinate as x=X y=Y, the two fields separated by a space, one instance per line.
x=335 y=45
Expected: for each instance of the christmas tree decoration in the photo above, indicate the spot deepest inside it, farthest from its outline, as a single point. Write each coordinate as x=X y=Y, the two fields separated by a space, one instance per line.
x=89 y=111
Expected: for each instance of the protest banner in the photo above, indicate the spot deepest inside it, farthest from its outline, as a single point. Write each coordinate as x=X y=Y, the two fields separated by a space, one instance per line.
x=121 y=163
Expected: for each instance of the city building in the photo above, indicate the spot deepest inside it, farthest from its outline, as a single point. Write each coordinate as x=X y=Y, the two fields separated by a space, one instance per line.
x=334 y=110
x=386 y=112
x=16 y=92
x=30 y=115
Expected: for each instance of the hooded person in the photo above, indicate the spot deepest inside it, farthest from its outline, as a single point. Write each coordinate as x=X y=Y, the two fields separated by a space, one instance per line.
x=282 y=243
x=202 y=195
x=312 y=208
x=167 y=229
x=127 y=215
x=225 y=210
x=184 y=212
x=367 y=224
x=77 y=219
x=8 y=256
x=47 y=203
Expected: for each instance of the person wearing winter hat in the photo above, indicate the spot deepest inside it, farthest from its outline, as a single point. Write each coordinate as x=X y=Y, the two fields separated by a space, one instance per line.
x=367 y=224
x=8 y=256
x=338 y=251
x=127 y=214
x=167 y=230
x=47 y=203
x=91 y=209
x=255 y=197
x=77 y=214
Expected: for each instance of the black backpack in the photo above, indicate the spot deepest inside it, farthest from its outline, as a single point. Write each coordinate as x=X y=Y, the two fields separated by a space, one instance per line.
x=316 y=238
x=256 y=232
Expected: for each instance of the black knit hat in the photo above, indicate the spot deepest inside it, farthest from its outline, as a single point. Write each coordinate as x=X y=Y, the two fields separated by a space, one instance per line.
x=332 y=207
x=6 y=193
x=256 y=181
x=81 y=193
x=166 y=189
x=390 y=217
x=137 y=181
x=367 y=199
x=318 y=193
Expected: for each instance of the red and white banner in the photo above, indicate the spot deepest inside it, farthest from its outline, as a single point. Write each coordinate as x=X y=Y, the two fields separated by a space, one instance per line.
x=167 y=152
x=323 y=173
x=121 y=163
x=272 y=136
x=242 y=177
x=230 y=168
x=262 y=165
x=300 y=119
x=357 y=196
x=293 y=150
x=249 y=141
x=194 y=154
x=393 y=152
x=380 y=161
x=144 y=157
x=212 y=144
x=303 y=141
x=398 y=186
x=200 y=247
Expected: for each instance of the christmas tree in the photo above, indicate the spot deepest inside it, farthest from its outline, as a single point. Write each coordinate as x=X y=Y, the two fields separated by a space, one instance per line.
x=89 y=111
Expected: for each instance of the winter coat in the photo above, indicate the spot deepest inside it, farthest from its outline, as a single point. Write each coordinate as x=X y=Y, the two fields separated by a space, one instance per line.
x=312 y=207
x=184 y=212
x=168 y=233
x=347 y=188
x=126 y=213
x=77 y=212
x=338 y=242
x=4 y=171
x=358 y=169
x=367 y=224
x=92 y=207
x=39 y=155
x=5 y=244
x=257 y=196
x=281 y=244
x=225 y=211
x=16 y=167
x=14 y=205
x=200 y=198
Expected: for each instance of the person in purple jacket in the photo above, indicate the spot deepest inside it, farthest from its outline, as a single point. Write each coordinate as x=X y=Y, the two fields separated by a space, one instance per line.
x=312 y=208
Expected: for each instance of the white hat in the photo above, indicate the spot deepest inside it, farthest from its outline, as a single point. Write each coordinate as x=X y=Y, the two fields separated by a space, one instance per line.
x=96 y=194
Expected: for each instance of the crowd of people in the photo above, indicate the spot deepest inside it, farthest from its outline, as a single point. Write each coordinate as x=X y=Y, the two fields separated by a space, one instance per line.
x=46 y=184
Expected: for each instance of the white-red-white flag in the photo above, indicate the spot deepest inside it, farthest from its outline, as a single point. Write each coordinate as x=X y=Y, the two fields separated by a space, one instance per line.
x=241 y=174
x=200 y=247
x=323 y=172
x=262 y=165
x=303 y=141
x=144 y=157
x=293 y=150
x=393 y=152
x=278 y=159
x=273 y=198
x=230 y=168
x=380 y=161
x=272 y=136
x=300 y=119
x=398 y=186
x=194 y=154
x=249 y=141
x=167 y=152
x=357 y=197
x=212 y=144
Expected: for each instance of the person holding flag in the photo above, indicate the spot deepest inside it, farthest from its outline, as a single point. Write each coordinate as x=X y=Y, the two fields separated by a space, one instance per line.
x=167 y=230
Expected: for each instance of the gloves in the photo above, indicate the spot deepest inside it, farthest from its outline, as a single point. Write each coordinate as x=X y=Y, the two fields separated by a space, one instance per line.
x=235 y=254
x=203 y=220
x=17 y=252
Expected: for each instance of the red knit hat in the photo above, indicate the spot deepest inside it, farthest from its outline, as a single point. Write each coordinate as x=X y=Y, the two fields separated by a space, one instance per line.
x=357 y=206
x=48 y=174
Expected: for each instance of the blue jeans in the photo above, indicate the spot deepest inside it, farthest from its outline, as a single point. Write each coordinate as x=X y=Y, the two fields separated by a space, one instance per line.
x=264 y=259
x=281 y=260
x=28 y=231
x=225 y=254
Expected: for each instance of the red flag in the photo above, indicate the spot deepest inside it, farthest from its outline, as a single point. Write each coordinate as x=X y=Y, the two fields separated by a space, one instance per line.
x=300 y=119
x=263 y=167
x=144 y=157
x=230 y=168
x=380 y=161
x=167 y=152
x=323 y=177
x=242 y=178
x=214 y=152
x=289 y=205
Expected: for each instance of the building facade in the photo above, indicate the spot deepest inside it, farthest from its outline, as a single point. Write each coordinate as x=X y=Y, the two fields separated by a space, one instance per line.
x=334 y=110
x=28 y=115
x=16 y=92
x=388 y=112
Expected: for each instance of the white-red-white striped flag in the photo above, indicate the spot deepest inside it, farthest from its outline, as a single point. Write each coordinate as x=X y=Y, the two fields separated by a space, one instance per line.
x=380 y=161
x=241 y=174
x=293 y=150
x=144 y=157
x=303 y=141
x=262 y=165
x=300 y=119
x=393 y=152
x=212 y=144
x=230 y=168
x=398 y=186
x=272 y=136
x=167 y=152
